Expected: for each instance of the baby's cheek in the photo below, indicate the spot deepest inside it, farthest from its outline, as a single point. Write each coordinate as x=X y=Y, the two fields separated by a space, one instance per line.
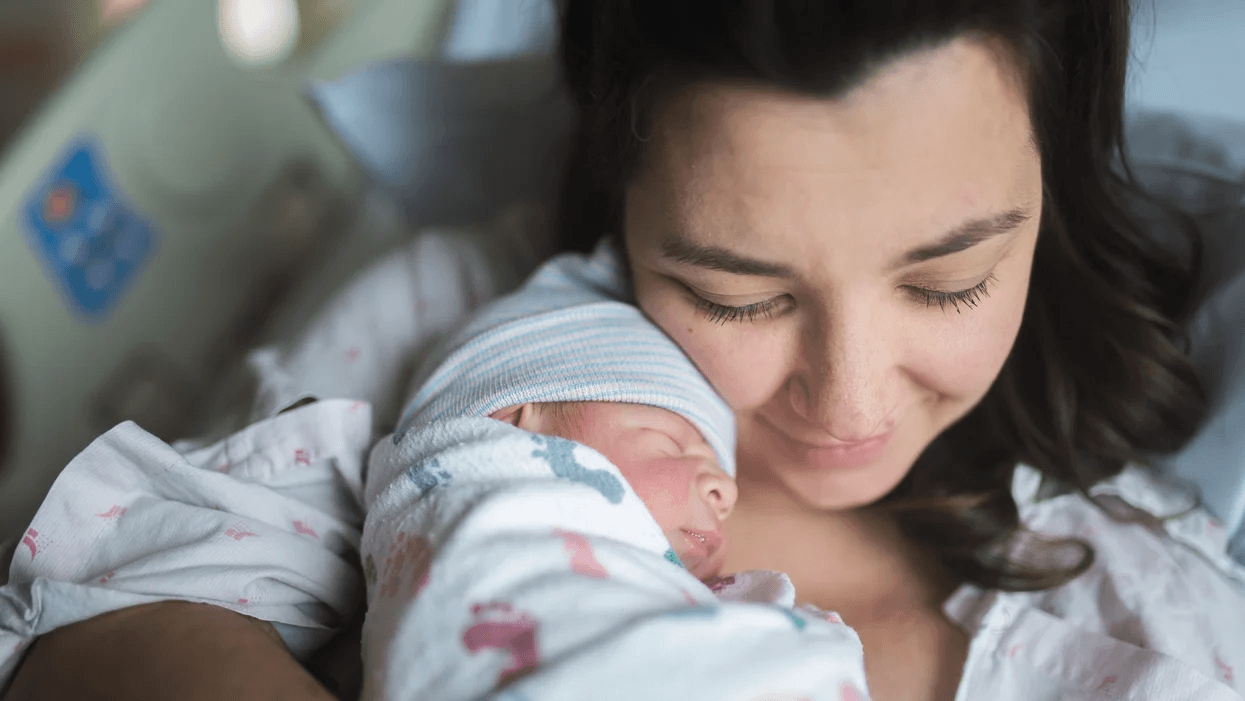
x=665 y=487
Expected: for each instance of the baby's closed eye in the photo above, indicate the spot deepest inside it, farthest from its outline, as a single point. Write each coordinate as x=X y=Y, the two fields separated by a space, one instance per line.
x=665 y=442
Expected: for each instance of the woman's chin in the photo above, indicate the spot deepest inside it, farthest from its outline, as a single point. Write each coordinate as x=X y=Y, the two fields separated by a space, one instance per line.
x=828 y=485
x=836 y=490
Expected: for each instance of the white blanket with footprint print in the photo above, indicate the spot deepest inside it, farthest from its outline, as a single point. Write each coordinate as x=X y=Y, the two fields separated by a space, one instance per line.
x=508 y=565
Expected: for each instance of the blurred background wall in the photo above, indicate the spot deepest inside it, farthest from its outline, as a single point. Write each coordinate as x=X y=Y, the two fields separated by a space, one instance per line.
x=1189 y=56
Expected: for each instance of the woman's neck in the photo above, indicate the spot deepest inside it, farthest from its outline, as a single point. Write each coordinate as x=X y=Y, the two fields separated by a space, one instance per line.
x=855 y=562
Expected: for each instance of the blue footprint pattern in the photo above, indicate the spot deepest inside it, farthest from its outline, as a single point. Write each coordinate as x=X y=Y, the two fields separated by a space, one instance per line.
x=559 y=453
x=427 y=474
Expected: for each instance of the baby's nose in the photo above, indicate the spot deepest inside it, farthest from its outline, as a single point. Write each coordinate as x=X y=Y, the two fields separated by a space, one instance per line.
x=717 y=490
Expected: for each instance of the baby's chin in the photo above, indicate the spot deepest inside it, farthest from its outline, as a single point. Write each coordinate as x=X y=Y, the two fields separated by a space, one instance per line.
x=700 y=565
x=707 y=574
x=701 y=570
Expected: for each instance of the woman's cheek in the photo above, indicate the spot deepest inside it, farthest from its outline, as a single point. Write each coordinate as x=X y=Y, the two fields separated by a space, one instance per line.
x=744 y=361
x=959 y=355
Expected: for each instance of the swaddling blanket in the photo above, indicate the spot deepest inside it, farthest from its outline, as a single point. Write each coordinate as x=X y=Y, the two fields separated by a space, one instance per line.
x=503 y=562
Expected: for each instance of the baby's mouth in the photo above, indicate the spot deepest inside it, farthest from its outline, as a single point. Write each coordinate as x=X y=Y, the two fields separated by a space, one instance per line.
x=701 y=552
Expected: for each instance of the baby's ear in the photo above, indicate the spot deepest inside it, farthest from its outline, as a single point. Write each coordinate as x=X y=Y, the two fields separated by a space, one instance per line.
x=519 y=415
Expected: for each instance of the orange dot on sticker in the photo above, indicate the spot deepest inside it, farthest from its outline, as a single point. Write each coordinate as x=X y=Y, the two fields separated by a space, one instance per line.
x=60 y=203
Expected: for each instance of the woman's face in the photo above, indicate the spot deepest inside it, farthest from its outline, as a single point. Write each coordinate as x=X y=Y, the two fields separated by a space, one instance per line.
x=850 y=274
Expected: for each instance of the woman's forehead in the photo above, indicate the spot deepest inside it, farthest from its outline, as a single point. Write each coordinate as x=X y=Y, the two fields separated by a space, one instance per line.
x=936 y=139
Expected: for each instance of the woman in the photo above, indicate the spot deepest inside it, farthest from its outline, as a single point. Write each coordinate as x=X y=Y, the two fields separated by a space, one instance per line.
x=892 y=235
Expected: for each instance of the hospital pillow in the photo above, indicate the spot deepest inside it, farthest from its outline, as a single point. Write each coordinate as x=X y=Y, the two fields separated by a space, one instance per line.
x=454 y=142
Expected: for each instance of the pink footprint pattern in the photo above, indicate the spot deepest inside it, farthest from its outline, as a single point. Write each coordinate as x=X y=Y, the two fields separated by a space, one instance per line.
x=1108 y=681
x=107 y=577
x=115 y=512
x=29 y=541
x=499 y=627
x=408 y=559
x=300 y=527
x=238 y=533
x=1225 y=670
x=583 y=561
x=301 y=457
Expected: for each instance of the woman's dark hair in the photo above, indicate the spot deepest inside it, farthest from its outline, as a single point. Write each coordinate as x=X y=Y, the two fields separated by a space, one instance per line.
x=1098 y=376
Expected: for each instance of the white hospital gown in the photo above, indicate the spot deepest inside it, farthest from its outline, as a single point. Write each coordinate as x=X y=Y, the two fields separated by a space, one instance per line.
x=500 y=559
x=1160 y=616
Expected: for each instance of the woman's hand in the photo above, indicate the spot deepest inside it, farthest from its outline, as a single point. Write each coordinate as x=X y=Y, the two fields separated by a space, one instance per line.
x=167 y=651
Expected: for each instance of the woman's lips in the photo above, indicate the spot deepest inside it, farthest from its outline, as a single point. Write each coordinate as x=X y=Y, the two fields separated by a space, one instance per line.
x=834 y=455
x=849 y=455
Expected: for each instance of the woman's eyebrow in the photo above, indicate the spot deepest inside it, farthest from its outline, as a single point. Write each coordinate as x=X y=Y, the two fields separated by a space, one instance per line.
x=677 y=247
x=966 y=236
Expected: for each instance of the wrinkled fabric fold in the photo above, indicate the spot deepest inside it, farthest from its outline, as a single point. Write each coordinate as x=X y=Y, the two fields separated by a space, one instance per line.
x=265 y=523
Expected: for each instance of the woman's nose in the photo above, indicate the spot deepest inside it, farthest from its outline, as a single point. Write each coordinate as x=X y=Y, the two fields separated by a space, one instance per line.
x=717 y=490
x=844 y=384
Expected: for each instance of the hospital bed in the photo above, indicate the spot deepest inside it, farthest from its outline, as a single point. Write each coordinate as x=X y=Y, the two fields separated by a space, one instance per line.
x=176 y=203
x=159 y=207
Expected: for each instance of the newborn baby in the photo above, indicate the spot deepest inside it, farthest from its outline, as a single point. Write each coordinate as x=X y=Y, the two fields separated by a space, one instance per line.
x=547 y=519
x=662 y=456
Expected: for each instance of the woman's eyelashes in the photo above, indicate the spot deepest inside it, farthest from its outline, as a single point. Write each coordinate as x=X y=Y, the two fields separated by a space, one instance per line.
x=722 y=313
x=969 y=298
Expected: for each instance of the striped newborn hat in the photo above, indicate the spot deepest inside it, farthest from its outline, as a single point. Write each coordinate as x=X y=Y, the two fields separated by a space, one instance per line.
x=569 y=334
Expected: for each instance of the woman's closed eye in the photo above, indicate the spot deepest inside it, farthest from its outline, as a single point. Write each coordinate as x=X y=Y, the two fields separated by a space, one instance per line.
x=721 y=313
x=716 y=312
x=969 y=298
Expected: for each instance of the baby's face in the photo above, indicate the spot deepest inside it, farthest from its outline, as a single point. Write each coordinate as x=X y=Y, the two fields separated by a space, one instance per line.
x=663 y=457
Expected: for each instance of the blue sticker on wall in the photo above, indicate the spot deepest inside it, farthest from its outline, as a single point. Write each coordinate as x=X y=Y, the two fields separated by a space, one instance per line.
x=92 y=243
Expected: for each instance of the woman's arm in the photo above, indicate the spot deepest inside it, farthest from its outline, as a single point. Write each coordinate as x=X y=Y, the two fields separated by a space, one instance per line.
x=131 y=521
x=189 y=652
